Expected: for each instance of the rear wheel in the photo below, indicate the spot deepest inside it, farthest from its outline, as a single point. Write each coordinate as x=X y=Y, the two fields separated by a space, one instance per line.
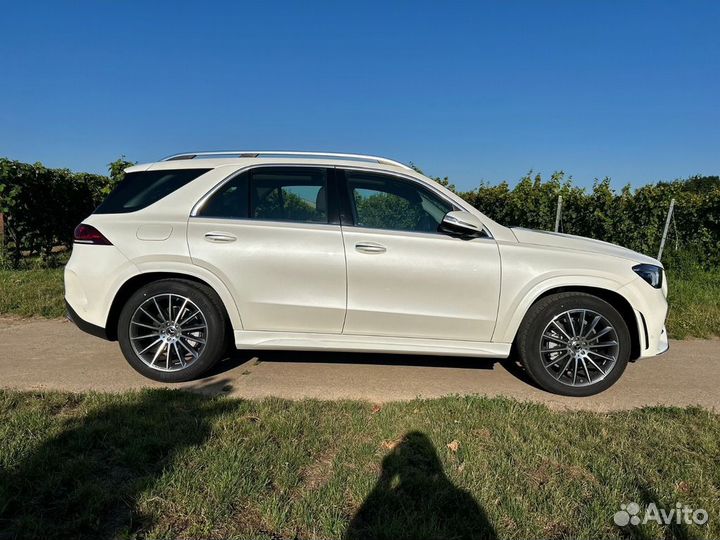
x=172 y=330
x=574 y=344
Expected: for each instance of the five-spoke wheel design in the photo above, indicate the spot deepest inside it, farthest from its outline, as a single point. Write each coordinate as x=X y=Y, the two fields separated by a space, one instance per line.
x=168 y=332
x=579 y=347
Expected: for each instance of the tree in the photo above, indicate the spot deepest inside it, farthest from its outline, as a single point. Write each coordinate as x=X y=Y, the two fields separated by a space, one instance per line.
x=116 y=171
x=445 y=181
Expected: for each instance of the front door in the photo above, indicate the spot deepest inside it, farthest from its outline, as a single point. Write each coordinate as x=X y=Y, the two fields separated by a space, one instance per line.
x=405 y=278
x=272 y=236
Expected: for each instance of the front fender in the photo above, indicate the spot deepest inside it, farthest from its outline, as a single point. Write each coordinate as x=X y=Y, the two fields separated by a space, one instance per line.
x=514 y=307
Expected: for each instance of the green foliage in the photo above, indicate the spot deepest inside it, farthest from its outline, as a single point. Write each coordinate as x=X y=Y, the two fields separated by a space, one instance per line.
x=42 y=206
x=444 y=181
x=634 y=219
x=117 y=173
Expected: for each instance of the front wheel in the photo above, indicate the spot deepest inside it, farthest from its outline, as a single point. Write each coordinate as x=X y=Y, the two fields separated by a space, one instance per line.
x=574 y=344
x=172 y=330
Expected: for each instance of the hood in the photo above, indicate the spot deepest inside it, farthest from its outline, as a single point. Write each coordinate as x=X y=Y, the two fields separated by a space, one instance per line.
x=579 y=243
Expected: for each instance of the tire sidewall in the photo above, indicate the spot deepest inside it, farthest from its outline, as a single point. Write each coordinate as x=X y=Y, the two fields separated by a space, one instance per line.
x=216 y=341
x=540 y=318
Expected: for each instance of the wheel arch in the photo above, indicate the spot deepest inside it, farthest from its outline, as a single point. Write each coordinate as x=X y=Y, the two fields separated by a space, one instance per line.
x=615 y=299
x=135 y=282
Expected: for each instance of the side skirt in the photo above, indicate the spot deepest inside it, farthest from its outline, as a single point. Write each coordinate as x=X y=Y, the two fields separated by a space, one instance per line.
x=353 y=343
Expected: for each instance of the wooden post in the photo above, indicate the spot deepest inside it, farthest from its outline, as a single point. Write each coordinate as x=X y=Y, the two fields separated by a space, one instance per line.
x=667 y=225
x=557 y=214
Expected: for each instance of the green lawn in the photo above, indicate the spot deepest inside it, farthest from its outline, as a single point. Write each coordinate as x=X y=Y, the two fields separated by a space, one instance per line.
x=32 y=293
x=169 y=464
x=694 y=299
x=694 y=304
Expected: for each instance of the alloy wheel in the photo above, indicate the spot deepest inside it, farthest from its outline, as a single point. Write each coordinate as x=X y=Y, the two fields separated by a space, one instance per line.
x=168 y=332
x=579 y=347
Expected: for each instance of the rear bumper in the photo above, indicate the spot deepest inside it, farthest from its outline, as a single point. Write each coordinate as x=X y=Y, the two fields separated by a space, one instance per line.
x=93 y=275
x=73 y=317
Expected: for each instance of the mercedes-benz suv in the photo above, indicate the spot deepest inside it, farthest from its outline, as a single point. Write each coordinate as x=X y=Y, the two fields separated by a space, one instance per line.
x=319 y=251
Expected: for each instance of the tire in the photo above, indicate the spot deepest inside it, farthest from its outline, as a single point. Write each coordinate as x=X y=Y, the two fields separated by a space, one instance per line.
x=582 y=366
x=191 y=345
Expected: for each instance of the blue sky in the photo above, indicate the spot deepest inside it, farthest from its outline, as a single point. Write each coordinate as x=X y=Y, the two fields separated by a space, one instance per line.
x=476 y=91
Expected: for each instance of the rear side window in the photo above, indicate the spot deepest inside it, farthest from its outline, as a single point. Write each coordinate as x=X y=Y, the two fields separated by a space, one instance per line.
x=272 y=193
x=289 y=195
x=141 y=189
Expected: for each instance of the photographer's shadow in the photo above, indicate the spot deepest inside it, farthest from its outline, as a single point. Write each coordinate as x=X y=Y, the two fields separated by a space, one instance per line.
x=414 y=499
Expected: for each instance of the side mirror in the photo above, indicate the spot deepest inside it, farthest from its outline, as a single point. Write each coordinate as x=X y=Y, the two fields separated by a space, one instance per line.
x=462 y=224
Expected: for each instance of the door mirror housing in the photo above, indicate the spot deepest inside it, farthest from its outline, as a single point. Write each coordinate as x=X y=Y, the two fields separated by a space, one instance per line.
x=462 y=224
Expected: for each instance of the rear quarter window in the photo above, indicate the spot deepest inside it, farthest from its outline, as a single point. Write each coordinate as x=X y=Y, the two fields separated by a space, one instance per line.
x=141 y=189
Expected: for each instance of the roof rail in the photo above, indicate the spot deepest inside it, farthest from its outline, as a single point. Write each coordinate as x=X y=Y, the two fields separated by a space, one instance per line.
x=251 y=154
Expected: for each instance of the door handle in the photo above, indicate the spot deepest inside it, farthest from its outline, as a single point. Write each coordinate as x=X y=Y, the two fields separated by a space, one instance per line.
x=219 y=237
x=370 y=247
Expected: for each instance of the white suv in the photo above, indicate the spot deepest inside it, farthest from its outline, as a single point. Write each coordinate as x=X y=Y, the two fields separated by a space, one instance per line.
x=311 y=251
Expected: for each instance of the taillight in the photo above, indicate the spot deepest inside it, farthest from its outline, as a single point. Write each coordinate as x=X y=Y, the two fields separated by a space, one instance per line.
x=87 y=234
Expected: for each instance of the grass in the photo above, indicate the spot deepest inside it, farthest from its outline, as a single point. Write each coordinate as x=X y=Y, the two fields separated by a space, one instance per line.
x=169 y=464
x=694 y=299
x=694 y=304
x=32 y=293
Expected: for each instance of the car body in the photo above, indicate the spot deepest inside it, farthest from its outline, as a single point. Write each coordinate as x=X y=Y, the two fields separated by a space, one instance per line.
x=346 y=252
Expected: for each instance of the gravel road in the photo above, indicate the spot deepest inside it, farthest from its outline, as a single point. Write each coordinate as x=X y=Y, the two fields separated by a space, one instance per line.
x=40 y=354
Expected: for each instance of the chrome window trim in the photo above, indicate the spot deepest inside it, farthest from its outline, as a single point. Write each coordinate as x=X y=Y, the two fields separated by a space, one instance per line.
x=274 y=222
x=198 y=205
x=398 y=232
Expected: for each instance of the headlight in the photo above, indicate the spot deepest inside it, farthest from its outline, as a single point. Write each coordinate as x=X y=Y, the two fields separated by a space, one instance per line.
x=650 y=273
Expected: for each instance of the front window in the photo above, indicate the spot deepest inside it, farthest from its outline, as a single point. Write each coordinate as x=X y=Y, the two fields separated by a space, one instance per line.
x=386 y=202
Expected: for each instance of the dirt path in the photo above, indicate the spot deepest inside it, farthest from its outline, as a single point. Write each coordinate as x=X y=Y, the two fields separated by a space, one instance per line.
x=53 y=354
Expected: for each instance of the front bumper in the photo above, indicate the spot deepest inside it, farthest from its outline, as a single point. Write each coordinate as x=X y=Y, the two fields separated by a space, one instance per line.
x=663 y=346
x=73 y=317
x=651 y=309
x=663 y=342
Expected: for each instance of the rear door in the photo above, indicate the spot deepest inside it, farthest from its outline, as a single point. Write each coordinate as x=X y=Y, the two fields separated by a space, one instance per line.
x=405 y=278
x=272 y=234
